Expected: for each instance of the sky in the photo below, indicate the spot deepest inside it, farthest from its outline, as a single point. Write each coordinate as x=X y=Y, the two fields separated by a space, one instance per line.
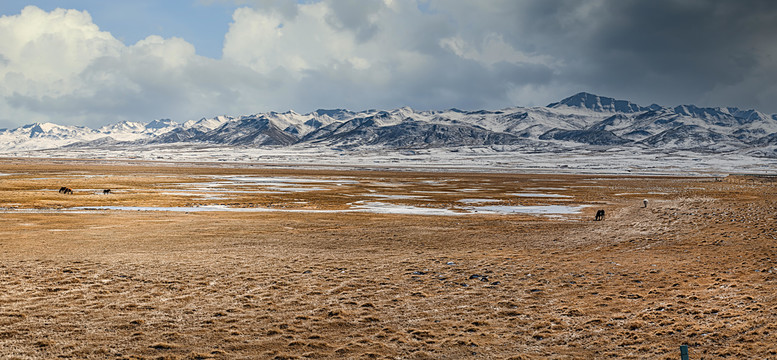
x=96 y=62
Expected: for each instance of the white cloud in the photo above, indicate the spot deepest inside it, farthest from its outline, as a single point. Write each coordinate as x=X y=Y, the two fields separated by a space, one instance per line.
x=384 y=54
x=45 y=52
x=493 y=49
x=170 y=53
x=312 y=40
x=59 y=66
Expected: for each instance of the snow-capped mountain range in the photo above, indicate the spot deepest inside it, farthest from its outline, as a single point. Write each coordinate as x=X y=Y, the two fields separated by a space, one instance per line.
x=580 y=121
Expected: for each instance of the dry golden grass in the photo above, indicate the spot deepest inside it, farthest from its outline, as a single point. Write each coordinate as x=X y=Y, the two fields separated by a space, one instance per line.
x=697 y=267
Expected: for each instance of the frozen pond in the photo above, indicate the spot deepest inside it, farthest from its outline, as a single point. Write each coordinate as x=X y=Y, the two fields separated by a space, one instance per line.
x=387 y=208
x=284 y=180
x=375 y=207
x=388 y=196
x=296 y=189
x=547 y=188
x=204 y=208
x=536 y=210
x=225 y=187
x=194 y=194
x=478 y=201
x=539 y=195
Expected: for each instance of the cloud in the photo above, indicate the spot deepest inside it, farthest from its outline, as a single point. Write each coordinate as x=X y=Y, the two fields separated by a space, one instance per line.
x=40 y=49
x=432 y=54
x=58 y=66
x=382 y=54
x=493 y=50
x=664 y=51
x=358 y=16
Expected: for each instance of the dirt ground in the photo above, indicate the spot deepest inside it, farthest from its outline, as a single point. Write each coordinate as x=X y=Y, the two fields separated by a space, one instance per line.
x=698 y=266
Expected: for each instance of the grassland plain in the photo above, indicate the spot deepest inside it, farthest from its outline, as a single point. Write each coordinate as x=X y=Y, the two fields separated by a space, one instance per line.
x=310 y=279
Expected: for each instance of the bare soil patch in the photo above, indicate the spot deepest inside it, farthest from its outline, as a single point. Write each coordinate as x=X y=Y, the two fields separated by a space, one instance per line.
x=698 y=266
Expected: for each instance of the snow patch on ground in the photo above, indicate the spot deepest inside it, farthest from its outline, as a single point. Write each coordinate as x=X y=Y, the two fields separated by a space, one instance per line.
x=540 y=195
x=547 y=188
x=468 y=159
x=478 y=201
x=387 y=208
x=540 y=209
x=284 y=180
x=374 y=207
x=387 y=196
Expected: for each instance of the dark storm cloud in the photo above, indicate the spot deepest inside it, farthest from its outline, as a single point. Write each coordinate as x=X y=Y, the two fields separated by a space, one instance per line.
x=691 y=47
x=667 y=51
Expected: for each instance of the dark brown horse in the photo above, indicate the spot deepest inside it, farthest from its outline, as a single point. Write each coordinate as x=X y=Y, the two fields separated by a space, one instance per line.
x=599 y=215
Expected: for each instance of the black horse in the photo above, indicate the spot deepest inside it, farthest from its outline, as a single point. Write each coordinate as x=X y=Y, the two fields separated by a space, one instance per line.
x=106 y=191
x=65 y=190
x=599 y=215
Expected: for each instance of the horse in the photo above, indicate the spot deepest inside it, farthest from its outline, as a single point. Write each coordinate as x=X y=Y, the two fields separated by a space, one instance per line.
x=106 y=191
x=644 y=203
x=65 y=190
x=599 y=215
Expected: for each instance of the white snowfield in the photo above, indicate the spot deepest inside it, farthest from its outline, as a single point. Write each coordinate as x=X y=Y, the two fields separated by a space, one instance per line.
x=583 y=133
x=465 y=159
x=368 y=207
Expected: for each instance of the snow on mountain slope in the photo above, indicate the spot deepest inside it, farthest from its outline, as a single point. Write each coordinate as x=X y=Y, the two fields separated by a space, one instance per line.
x=688 y=136
x=589 y=136
x=206 y=124
x=44 y=136
x=124 y=131
x=298 y=124
x=362 y=127
x=123 y=127
x=160 y=126
x=580 y=121
x=248 y=131
x=524 y=122
x=597 y=103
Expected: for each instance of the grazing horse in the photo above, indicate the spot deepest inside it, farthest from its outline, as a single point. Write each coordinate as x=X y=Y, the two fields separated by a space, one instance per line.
x=65 y=190
x=599 y=215
x=106 y=191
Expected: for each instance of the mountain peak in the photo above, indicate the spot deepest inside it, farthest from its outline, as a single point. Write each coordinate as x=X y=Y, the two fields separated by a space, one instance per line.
x=598 y=103
x=161 y=123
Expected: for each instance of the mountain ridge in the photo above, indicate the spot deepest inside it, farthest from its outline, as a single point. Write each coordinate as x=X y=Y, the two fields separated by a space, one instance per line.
x=581 y=121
